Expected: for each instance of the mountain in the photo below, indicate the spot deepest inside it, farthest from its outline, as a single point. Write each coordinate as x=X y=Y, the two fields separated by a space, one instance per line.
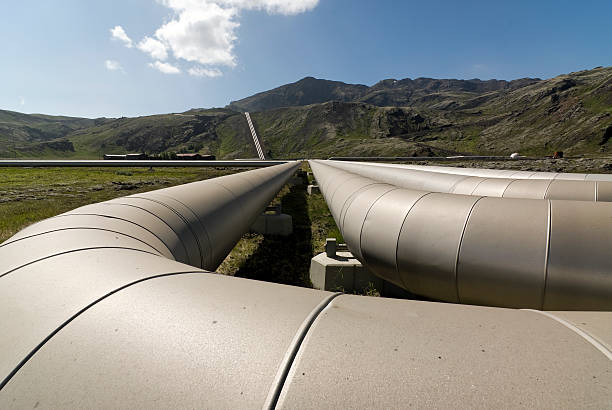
x=307 y=91
x=321 y=118
x=37 y=134
x=420 y=92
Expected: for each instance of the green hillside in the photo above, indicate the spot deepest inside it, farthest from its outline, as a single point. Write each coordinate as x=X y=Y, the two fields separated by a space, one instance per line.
x=320 y=118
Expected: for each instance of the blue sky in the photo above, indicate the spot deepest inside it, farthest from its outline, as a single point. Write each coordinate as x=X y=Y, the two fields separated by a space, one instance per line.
x=138 y=57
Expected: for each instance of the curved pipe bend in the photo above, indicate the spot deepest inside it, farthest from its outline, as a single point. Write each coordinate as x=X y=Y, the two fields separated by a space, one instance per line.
x=486 y=182
x=474 y=249
x=97 y=314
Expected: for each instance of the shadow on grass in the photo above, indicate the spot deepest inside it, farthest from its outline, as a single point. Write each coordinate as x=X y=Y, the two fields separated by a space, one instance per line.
x=285 y=259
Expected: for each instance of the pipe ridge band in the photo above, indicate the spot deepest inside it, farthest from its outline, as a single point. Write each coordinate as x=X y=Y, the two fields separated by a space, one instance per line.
x=180 y=239
x=366 y=216
x=183 y=218
x=124 y=220
x=467 y=220
x=602 y=347
x=478 y=184
x=83 y=227
x=349 y=201
x=547 y=257
x=451 y=190
x=397 y=242
x=289 y=359
x=550 y=186
x=352 y=176
x=508 y=186
x=208 y=262
x=71 y=251
x=77 y=314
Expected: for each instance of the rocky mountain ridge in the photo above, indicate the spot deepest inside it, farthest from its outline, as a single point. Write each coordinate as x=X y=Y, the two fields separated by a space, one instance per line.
x=321 y=118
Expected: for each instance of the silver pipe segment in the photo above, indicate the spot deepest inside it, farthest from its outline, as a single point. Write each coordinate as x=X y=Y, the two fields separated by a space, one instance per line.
x=523 y=253
x=237 y=163
x=115 y=322
x=196 y=223
x=501 y=173
x=497 y=183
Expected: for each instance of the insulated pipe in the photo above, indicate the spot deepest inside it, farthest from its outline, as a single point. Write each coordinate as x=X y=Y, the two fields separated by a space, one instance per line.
x=525 y=253
x=116 y=323
x=196 y=223
x=501 y=173
x=497 y=184
x=237 y=163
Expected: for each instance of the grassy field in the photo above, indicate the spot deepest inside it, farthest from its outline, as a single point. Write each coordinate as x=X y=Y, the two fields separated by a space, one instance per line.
x=28 y=195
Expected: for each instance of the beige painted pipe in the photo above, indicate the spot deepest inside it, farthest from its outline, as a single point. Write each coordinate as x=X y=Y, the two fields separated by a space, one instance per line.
x=196 y=223
x=97 y=314
x=487 y=182
x=523 y=253
x=497 y=173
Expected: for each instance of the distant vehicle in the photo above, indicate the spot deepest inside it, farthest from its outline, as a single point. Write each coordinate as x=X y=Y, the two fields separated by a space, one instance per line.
x=125 y=156
x=195 y=156
x=114 y=156
x=136 y=156
x=514 y=155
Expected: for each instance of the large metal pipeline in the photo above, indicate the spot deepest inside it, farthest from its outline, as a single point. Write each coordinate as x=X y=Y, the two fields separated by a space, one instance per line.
x=525 y=253
x=115 y=322
x=237 y=163
x=487 y=182
x=505 y=173
x=196 y=224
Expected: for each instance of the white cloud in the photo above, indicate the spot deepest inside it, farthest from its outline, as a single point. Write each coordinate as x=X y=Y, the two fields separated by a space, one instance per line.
x=287 y=7
x=204 y=32
x=118 y=33
x=153 y=47
x=204 y=72
x=21 y=100
x=113 y=65
x=165 y=68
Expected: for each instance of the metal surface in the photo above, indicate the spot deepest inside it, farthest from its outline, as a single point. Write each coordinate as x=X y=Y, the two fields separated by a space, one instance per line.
x=384 y=353
x=502 y=173
x=476 y=247
x=486 y=182
x=53 y=269
x=97 y=314
x=140 y=163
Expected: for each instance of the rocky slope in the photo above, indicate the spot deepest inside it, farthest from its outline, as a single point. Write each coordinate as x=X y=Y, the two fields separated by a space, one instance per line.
x=420 y=92
x=320 y=118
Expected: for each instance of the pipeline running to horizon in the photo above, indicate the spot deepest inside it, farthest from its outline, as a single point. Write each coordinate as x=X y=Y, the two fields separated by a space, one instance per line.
x=115 y=305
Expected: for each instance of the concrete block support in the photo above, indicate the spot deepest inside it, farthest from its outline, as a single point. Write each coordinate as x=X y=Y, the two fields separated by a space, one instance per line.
x=341 y=273
x=338 y=270
x=273 y=224
x=313 y=189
